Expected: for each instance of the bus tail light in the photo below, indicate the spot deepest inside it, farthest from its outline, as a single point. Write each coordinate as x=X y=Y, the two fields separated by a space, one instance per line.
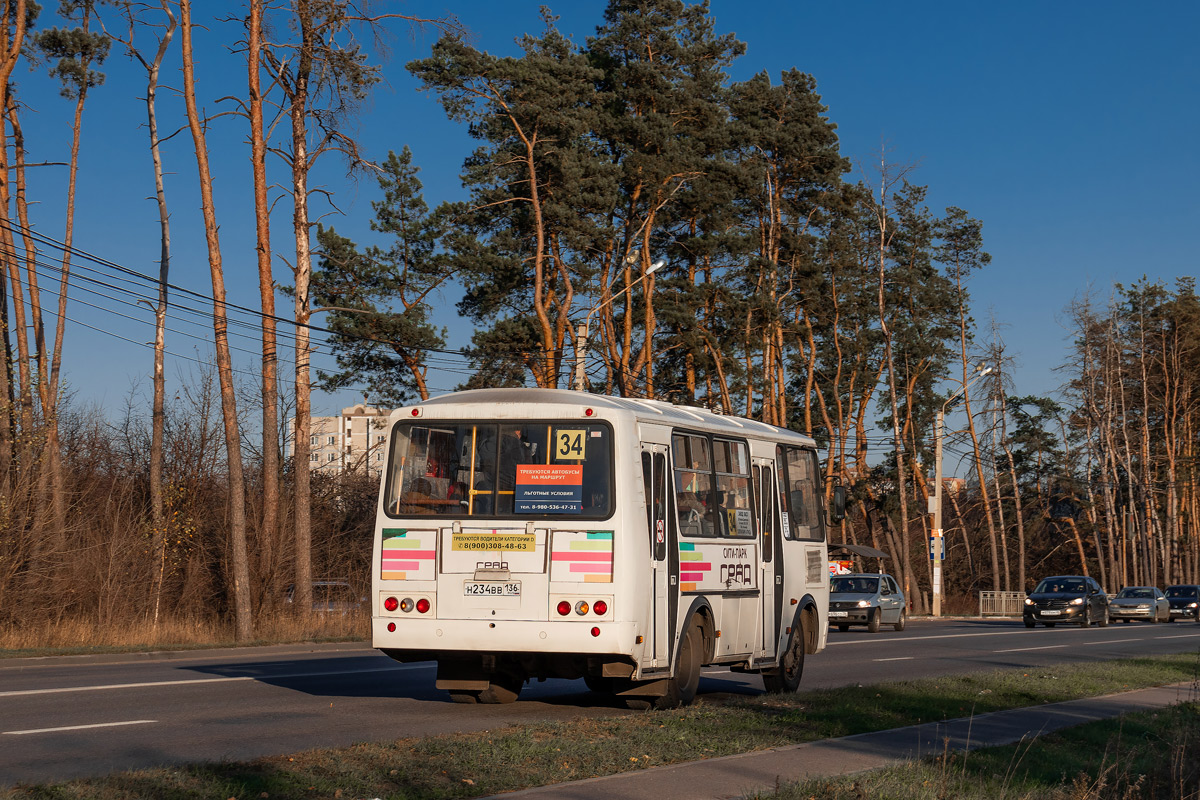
x=422 y=606
x=595 y=631
x=391 y=604
x=391 y=627
x=564 y=608
x=581 y=607
x=600 y=607
x=406 y=605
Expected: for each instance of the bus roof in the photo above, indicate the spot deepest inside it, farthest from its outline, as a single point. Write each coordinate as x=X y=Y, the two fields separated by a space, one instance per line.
x=532 y=403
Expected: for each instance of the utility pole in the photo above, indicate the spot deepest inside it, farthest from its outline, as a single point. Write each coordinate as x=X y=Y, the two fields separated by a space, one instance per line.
x=581 y=332
x=937 y=542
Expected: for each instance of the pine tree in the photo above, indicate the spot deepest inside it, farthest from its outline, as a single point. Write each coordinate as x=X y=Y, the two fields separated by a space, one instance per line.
x=379 y=301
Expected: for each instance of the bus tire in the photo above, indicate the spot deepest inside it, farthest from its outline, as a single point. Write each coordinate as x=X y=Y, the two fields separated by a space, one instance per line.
x=681 y=689
x=503 y=688
x=791 y=665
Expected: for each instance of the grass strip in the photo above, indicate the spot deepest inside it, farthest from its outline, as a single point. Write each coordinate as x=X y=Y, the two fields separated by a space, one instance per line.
x=1144 y=756
x=473 y=764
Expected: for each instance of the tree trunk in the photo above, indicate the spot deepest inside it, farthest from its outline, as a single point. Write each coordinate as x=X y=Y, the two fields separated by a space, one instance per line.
x=269 y=533
x=233 y=450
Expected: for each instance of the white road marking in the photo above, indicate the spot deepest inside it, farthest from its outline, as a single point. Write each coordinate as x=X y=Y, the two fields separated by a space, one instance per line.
x=901 y=658
x=1182 y=636
x=80 y=727
x=197 y=681
x=1023 y=649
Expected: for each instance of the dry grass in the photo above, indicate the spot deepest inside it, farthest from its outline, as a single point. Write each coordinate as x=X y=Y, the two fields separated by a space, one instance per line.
x=69 y=636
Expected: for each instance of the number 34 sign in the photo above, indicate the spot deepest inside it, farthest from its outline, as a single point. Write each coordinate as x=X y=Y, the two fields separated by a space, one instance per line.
x=569 y=445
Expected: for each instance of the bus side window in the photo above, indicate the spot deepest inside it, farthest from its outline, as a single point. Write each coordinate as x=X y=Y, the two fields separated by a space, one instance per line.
x=764 y=491
x=648 y=483
x=662 y=483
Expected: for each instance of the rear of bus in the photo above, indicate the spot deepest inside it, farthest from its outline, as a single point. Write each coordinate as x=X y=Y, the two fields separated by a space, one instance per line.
x=496 y=546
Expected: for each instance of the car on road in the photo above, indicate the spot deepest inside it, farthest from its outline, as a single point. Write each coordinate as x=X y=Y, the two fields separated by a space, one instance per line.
x=1184 y=600
x=331 y=597
x=1075 y=599
x=1140 y=602
x=870 y=599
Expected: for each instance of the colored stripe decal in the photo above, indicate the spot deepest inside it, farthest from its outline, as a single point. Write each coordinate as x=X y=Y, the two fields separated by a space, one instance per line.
x=600 y=535
x=405 y=565
x=598 y=546
x=605 y=568
x=393 y=576
x=687 y=546
x=691 y=556
x=562 y=555
x=419 y=555
x=607 y=578
x=687 y=587
x=401 y=544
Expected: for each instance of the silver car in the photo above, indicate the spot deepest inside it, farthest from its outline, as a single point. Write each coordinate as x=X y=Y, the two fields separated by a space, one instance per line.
x=866 y=599
x=1140 y=602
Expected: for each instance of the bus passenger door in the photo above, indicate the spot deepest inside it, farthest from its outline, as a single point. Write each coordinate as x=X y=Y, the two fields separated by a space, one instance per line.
x=771 y=578
x=664 y=576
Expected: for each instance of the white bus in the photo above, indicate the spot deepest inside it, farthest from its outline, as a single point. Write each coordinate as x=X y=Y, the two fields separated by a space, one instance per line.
x=539 y=533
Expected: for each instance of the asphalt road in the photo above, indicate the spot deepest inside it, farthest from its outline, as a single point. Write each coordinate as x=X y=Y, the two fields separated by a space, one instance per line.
x=69 y=717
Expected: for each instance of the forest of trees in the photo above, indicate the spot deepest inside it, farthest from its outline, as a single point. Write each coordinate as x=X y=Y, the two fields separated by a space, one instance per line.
x=795 y=291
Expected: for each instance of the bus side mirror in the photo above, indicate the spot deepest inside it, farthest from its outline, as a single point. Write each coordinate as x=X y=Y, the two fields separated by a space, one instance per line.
x=837 y=510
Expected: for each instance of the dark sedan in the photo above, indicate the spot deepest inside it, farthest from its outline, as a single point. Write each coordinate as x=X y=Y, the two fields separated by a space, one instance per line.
x=1075 y=599
x=1184 y=601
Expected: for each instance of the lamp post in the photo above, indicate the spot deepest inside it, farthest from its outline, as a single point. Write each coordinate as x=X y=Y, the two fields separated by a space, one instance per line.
x=581 y=332
x=937 y=549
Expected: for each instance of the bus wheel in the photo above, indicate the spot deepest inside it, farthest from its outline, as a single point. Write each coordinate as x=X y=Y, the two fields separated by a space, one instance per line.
x=504 y=688
x=681 y=690
x=791 y=666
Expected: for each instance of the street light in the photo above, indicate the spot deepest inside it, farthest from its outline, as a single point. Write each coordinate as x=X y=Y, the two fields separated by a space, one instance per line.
x=937 y=546
x=581 y=333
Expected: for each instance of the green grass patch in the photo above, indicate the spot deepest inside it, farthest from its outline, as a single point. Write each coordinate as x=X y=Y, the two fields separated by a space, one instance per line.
x=1143 y=756
x=469 y=765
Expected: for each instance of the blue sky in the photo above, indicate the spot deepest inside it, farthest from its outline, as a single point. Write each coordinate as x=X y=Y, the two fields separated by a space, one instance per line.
x=1069 y=129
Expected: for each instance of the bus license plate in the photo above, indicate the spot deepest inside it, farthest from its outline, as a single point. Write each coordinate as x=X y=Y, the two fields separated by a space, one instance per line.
x=491 y=589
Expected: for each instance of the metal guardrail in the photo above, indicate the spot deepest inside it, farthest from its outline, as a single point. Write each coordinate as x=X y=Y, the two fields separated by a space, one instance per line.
x=1001 y=604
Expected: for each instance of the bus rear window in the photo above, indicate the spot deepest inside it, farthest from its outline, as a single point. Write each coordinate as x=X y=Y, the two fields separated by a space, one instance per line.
x=512 y=469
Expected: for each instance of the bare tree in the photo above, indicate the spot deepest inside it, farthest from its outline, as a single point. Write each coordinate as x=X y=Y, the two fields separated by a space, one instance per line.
x=153 y=66
x=233 y=448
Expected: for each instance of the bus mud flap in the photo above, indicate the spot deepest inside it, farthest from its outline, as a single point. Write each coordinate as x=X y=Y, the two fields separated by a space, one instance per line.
x=461 y=677
x=645 y=689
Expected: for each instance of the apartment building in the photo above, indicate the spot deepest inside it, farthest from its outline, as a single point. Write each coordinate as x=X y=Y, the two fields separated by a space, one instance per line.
x=353 y=440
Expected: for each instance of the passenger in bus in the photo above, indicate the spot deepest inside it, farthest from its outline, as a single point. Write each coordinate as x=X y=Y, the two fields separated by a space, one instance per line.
x=691 y=513
x=418 y=499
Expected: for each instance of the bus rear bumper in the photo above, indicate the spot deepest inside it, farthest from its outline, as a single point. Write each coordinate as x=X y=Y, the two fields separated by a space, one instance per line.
x=505 y=636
